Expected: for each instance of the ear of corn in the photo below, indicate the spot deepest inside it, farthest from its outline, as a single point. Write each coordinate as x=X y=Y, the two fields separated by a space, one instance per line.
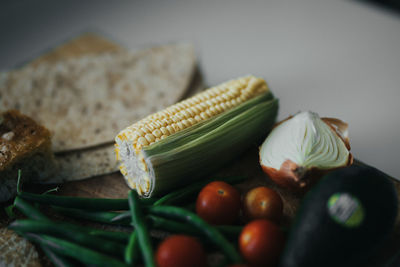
x=195 y=137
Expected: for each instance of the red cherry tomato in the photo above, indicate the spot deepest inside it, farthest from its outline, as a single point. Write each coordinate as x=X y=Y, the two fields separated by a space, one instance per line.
x=261 y=243
x=263 y=203
x=218 y=203
x=180 y=251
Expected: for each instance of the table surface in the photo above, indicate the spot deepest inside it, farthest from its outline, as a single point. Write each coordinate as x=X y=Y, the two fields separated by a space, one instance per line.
x=338 y=58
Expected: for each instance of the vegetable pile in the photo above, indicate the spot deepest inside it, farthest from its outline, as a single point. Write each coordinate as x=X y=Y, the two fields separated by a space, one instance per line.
x=133 y=219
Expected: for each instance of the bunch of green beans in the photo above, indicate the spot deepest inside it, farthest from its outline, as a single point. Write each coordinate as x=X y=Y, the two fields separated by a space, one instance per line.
x=66 y=243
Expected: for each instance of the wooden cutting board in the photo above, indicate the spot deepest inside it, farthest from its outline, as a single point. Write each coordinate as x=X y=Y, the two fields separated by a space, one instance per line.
x=113 y=186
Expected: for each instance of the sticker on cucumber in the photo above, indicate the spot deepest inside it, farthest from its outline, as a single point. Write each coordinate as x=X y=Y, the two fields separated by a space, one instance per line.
x=346 y=210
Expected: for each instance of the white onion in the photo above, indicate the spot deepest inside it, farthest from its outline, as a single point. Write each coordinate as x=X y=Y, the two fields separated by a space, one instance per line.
x=302 y=143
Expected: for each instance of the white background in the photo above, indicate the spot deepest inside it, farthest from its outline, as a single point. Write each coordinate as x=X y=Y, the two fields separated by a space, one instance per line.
x=338 y=58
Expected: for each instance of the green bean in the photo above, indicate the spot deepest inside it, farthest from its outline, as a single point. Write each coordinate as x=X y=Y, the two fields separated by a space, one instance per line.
x=212 y=233
x=148 y=201
x=33 y=213
x=230 y=231
x=94 y=216
x=172 y=226
x=69 y=232
x=102 y=217
x=121 y=237
x=132 y=250
x=167 y=225
x=57 y=260
x=122 y=217
x=95 y=204
x=157 y=222
x=185 y=192
x=81 y=253
x=29 y=210
x=139 y=223
x=103 y=204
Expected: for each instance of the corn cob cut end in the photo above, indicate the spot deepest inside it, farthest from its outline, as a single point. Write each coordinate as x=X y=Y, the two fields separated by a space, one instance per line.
x=130 y=142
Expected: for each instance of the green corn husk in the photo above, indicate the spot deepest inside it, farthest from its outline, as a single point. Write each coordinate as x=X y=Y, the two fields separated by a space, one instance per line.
x=197 y=151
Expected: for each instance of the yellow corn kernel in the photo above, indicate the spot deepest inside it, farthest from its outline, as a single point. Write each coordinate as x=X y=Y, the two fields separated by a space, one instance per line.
x=191 y=111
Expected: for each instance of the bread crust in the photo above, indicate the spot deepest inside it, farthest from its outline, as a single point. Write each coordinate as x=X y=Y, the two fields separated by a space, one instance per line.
x=24 y=145
x=20 y=137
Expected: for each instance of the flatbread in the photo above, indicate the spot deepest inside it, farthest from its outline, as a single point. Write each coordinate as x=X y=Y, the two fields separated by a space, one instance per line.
x=85 y=101
x=82 y=164
x=86 y=163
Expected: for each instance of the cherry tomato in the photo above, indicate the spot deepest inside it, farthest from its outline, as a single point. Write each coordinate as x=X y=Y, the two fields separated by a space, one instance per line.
x=263 y=203
x=261 y=243
x=218 y=203
x=180 y=251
